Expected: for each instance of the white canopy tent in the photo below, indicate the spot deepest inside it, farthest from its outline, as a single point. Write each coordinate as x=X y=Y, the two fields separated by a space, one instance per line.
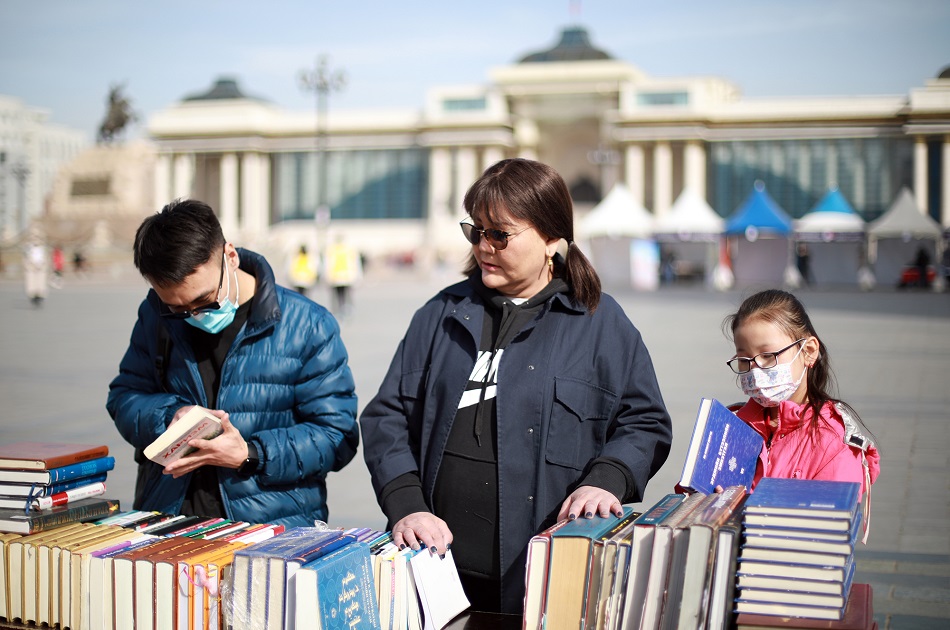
x=690 y=233
x=619 y=233
x=895 y=238
x=833 y=235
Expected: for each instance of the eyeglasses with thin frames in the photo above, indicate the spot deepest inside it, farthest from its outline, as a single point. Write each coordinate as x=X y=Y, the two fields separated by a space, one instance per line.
x=763 y=360
x=496 y=238
x=212 y=306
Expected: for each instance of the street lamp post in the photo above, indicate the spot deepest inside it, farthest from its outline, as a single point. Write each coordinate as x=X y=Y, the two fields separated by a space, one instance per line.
x=20 y=172
x=321 y=80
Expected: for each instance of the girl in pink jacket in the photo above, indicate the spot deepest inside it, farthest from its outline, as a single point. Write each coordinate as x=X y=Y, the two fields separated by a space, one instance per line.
x=784 y=369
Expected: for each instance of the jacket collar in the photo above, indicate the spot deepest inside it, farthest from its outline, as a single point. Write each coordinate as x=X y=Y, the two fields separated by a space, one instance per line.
x=790 y=416
x=464 y=289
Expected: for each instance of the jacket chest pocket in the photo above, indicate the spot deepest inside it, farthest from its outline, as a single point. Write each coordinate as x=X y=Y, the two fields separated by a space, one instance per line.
x=412 y=392
x=578 y=425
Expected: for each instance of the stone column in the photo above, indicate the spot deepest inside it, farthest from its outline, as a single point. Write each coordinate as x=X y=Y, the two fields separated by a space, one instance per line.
x=163 y=181
x=662 y=178
x=920 y=173
x=945 y=184
x=694 y=159
x=440 y=182
x=831 y=166
x=634 y=175
x=860 y=179
x=184 y=175
x=228 y=195
x=255 y=195
x=490 y=156
x=466 y=172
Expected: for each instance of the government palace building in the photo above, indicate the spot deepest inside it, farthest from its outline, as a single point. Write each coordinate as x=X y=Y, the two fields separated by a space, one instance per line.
x=394 y=180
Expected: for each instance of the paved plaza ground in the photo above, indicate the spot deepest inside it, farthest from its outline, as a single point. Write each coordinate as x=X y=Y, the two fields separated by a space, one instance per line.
x=890 y=350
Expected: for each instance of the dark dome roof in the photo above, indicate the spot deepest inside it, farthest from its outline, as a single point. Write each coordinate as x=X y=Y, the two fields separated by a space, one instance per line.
x=223 y=88
x=574 y=46
x=945 y=73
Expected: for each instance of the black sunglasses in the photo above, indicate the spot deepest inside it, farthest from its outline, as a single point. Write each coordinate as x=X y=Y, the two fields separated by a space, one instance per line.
x=497 y=238
x=213 y=306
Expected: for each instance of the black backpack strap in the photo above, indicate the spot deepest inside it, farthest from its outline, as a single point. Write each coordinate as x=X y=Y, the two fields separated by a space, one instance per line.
x=162 y=355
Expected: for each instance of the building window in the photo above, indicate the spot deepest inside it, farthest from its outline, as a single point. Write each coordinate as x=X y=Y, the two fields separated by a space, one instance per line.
x=652 y=99
x=372 y=184
x=464 y=104
x=797 y=173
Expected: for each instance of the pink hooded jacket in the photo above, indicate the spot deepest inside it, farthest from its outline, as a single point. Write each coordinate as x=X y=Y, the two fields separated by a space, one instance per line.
x=799 y=449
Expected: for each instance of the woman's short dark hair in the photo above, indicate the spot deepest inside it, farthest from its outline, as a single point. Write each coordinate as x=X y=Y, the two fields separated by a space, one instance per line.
x=170 y=245
x=534 y=192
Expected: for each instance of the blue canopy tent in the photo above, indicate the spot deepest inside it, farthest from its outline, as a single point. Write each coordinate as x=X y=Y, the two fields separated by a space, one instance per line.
x=760 y=232
x=832 y=234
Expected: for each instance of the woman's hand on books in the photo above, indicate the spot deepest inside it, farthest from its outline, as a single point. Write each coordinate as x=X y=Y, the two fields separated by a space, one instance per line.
x=587 y=501
x=422 y=529
x=228 y=450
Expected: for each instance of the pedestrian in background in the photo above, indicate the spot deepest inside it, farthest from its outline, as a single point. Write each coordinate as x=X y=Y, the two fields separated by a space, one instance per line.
x=36 y=273
x=303 y=271
x=343 y=269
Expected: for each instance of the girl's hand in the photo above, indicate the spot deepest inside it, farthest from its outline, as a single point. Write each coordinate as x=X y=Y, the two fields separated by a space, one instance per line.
x=587 y=501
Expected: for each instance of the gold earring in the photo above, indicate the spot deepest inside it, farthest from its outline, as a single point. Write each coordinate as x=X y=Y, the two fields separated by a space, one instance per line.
x=550 y=263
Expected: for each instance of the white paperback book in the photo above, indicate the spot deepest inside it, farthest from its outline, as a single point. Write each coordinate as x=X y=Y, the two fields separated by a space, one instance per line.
x=172 y=445
x=440 y=590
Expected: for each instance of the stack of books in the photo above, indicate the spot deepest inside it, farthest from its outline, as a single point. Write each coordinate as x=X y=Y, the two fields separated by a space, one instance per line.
x=797 y=558
x=46 y=484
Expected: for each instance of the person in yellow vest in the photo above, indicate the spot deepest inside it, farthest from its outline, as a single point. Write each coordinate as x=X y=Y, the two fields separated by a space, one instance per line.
x=343 y=269
x=303 y=271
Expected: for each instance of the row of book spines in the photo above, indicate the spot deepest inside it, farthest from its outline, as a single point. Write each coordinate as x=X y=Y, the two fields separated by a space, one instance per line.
x=102 y=543
x=168 y=525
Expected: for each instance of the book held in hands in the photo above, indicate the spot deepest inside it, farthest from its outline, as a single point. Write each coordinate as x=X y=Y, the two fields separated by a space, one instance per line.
x=723 y=450
x=172 y=445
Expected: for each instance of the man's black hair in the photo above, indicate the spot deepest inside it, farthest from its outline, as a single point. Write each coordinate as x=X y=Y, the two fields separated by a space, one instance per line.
x=170 y=245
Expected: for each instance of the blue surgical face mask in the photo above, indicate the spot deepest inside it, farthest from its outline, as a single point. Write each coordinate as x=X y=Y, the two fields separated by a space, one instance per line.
x=215 y=321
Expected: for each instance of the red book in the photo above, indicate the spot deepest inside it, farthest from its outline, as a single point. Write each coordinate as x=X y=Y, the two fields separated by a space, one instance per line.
x=858 y=615
x=47 y=455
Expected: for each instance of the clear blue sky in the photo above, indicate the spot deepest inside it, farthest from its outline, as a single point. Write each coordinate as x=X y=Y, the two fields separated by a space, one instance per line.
x=62 y=55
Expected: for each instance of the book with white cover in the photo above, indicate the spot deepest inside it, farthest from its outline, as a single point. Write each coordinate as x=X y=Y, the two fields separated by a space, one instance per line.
x=172 y=445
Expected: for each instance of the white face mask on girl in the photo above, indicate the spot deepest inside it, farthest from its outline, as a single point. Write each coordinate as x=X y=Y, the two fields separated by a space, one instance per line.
x=773 y=385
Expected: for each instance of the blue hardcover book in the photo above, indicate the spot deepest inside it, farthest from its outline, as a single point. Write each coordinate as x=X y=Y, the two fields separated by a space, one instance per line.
x=262 y=572
x=806 y=539
x=338 y=589
x=762 y=587
x=46 y=490
x=806 y=498
x=55 y=475
x=723 y=450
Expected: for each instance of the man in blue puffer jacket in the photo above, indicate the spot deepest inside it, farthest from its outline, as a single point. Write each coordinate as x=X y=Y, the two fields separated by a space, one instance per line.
x=216 y=330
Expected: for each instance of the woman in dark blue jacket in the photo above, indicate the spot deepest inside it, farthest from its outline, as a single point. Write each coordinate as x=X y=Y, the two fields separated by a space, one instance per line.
x=518 y=397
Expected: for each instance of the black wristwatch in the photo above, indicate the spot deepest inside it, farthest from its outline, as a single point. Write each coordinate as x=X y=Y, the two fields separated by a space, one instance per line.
x=251 y=464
